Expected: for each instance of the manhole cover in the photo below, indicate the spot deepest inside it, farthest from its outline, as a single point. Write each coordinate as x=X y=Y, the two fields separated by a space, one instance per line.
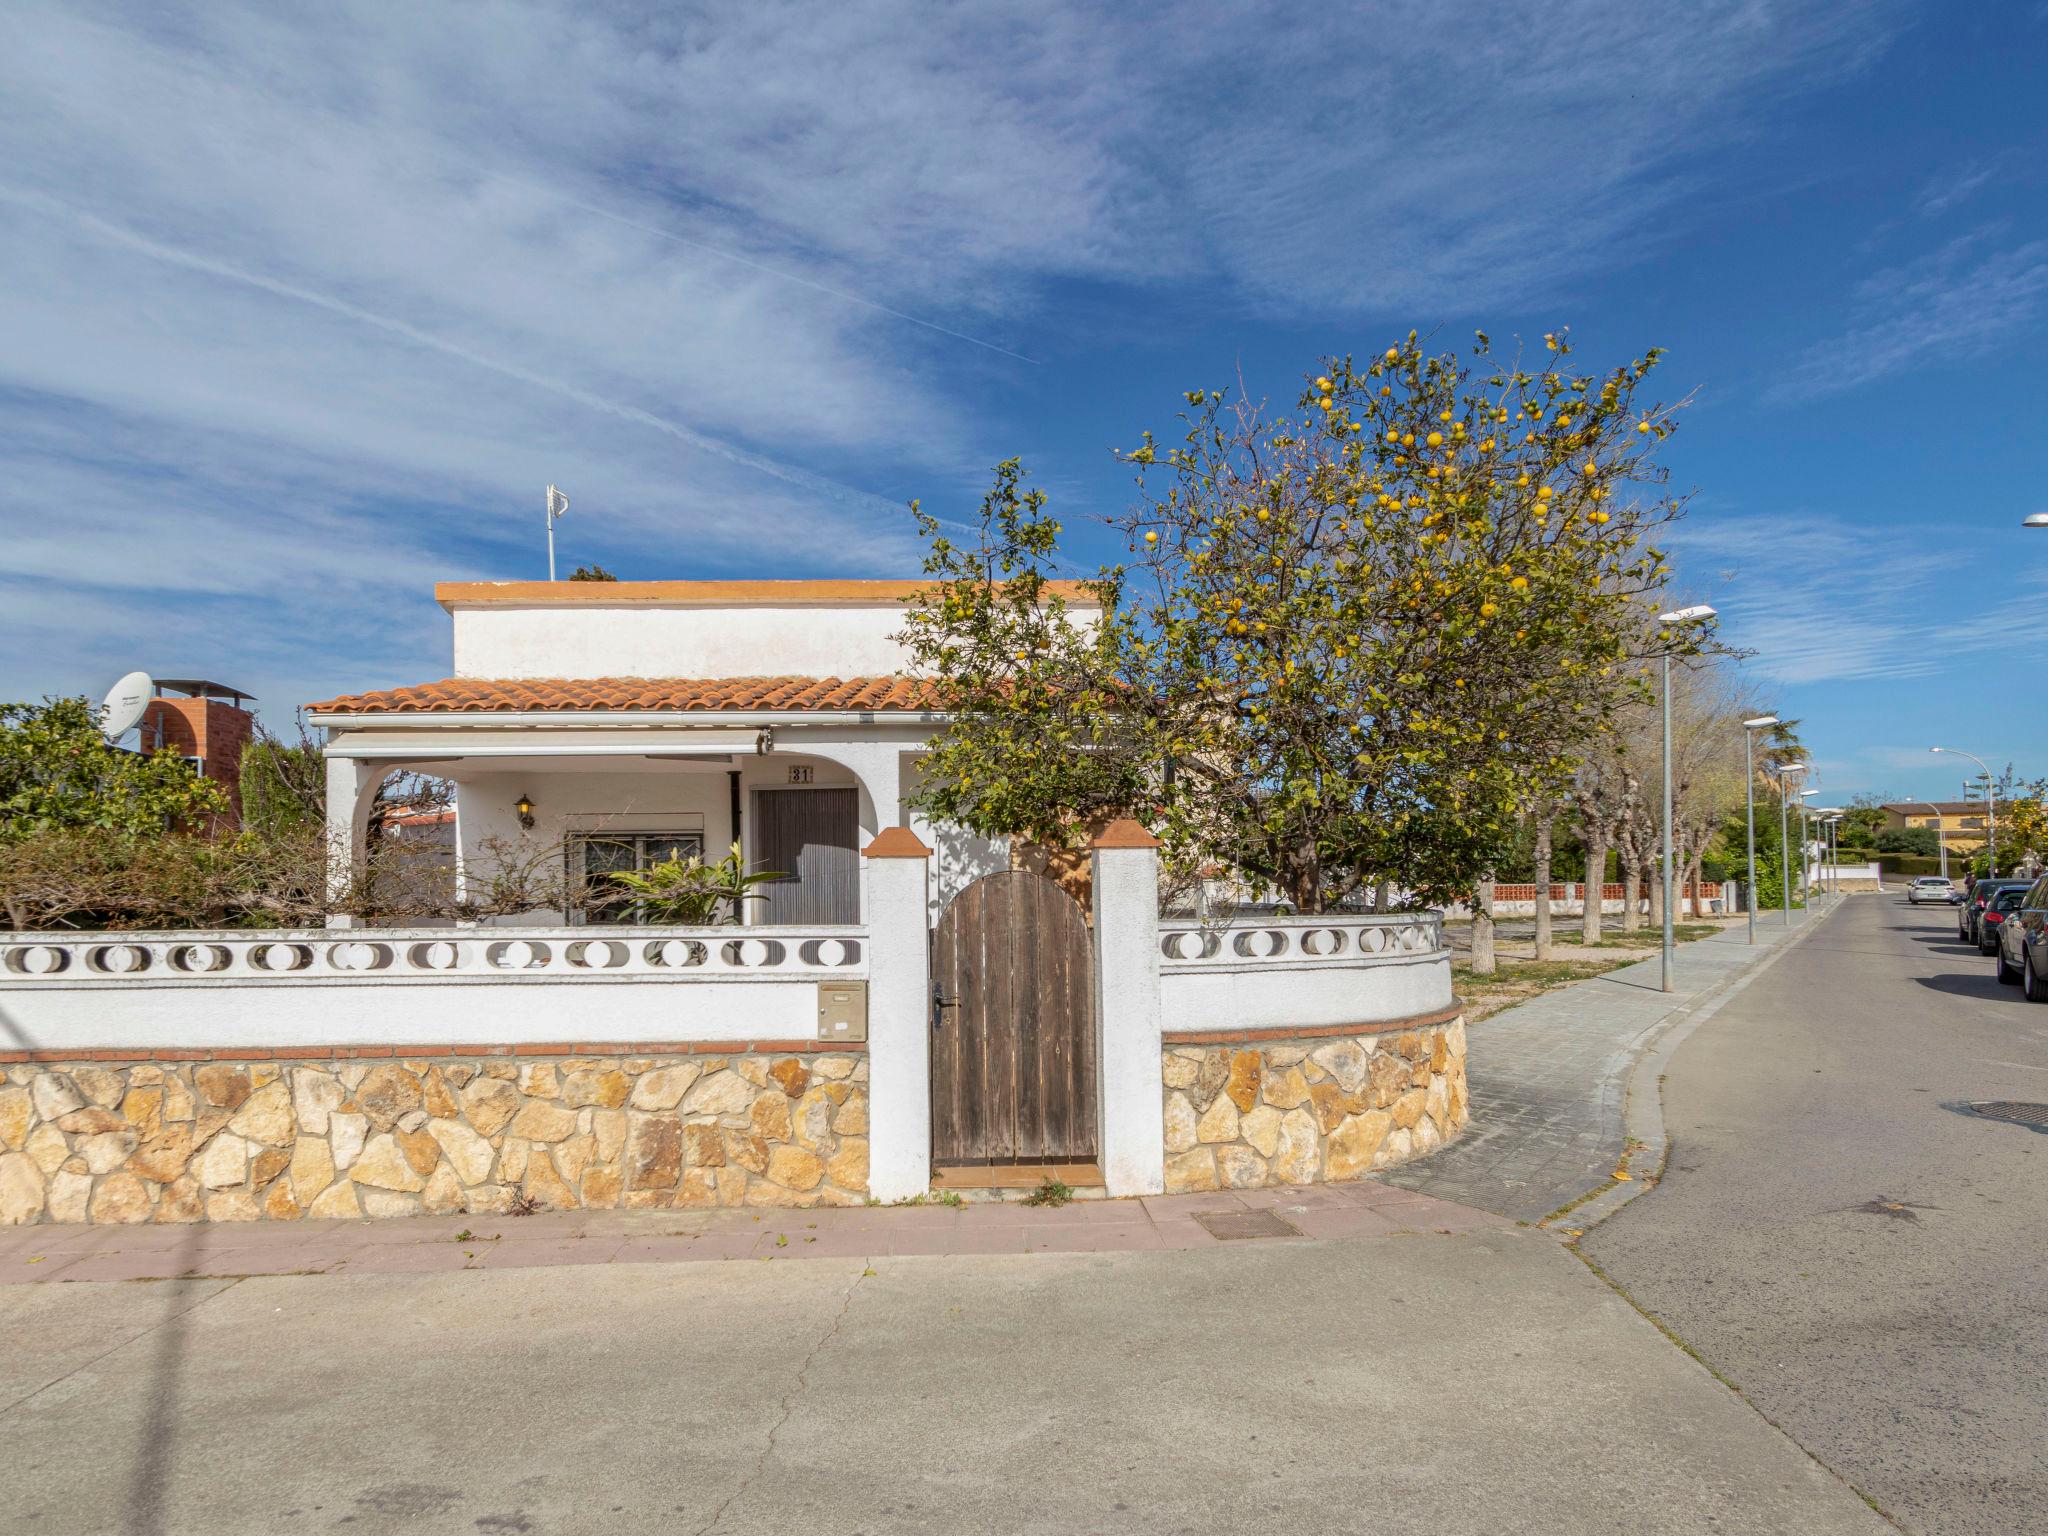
x=2033 y=1116
x=1228 y=1226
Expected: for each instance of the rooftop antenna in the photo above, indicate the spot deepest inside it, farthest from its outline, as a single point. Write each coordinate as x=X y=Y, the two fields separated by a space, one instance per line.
x=557 y=505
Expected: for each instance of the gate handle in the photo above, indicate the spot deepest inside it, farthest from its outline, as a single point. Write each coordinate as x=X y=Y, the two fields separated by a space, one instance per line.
x=940 y=1000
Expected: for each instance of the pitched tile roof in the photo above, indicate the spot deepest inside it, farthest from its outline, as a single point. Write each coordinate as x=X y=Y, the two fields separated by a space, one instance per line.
x=542 y=695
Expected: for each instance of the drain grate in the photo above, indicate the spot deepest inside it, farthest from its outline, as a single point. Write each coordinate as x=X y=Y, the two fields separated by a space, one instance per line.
x=2033 y=1116
x=1228 y=1226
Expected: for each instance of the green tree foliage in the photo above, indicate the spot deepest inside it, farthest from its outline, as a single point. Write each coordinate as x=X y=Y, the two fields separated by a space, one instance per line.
x=283 y=788
x=57 y=771
x=1350 y=640
x=1923 y=841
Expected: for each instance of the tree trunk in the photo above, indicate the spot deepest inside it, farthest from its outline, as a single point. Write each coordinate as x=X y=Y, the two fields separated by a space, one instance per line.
x=1542 y=858
x=1698 y=859
x=1657 y=895
x=1382 y=896
x=1596 y=889
x=1482 y=928
x=1631 y=893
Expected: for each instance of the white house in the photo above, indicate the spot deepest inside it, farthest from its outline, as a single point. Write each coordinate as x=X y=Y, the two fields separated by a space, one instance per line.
x=906 y=1011
x=635 y=720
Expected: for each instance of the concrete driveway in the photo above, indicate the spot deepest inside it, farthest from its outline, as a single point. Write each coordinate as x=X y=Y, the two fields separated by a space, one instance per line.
x=1475 y=1381
x=1864 y=1261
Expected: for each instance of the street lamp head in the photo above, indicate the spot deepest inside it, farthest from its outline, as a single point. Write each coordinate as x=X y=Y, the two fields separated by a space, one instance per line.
x=2035 y=520
x=1759 y=722
x=1693 y=615
x=1805 y=792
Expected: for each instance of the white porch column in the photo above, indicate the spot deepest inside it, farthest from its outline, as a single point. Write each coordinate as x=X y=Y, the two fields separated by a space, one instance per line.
x=1133 y=1119
x=351 y=790
x=899 y=1017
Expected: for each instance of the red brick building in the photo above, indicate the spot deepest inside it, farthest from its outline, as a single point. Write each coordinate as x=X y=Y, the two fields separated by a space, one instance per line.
x=208 y=727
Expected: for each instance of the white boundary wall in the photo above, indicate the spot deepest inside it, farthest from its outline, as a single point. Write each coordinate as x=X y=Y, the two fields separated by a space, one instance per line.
x=498 y=986
x=1307 y=972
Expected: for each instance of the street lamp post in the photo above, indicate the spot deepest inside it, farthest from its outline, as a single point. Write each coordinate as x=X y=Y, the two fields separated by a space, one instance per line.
x=1940 y=841
x=1806 y=858
x=1697 y=613
x=1749 y=730
x=1785 y=773
x=1990 y=790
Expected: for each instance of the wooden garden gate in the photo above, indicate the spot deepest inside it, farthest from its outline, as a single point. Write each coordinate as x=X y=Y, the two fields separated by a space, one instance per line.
x=1013 y=1025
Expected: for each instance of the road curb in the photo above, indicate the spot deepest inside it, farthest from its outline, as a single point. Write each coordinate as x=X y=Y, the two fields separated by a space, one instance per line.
x=1642 y=1113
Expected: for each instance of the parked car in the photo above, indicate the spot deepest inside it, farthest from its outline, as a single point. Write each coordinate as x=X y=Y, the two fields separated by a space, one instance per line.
x=1968 y=928
x=2004 y=902
x=2023 y=943
x=1930 y=888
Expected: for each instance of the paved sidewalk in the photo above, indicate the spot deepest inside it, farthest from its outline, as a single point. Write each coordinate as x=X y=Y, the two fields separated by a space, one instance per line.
x=433 y=1244
x=1462 y=1385
x=1549 y=1078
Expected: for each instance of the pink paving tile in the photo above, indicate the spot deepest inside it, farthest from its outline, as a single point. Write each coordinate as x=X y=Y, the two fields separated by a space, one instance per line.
x=547 y=1253
x=1354 y=1221
x=1300 y=1198
x=819 y=1245
x=118 y=1266
x=34 y=1268
x=384 y=1259
x=1129 y=1237
x=1175 y=1233
x=270 y=1259
x=1182 y=1207
x=960 y=1240
x=670 y=1249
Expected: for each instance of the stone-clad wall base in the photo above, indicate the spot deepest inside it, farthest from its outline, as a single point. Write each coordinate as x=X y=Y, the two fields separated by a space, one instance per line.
x=1308 y=1111
x=276 y=1140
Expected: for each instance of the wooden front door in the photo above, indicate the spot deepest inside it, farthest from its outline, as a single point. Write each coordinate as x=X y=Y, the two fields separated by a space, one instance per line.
x=1013 y=1037
x=808 y=836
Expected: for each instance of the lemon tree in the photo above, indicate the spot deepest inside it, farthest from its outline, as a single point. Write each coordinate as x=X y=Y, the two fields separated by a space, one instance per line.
x=1351 y=639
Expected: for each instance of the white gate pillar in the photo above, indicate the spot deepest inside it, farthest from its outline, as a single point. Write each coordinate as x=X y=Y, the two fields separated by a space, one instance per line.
x=899 y=1016
x=1133 y=1119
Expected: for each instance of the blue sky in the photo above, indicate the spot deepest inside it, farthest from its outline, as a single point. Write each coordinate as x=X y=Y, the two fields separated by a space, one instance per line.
x=304 y=312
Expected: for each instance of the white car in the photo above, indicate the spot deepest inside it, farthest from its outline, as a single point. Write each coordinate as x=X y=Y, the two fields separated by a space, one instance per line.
x=1931 y=888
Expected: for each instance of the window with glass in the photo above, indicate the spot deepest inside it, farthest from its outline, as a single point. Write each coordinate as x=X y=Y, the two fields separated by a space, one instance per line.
x=596 y=857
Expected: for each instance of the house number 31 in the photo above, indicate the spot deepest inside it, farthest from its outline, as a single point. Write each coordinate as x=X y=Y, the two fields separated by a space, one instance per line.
x=800 y=775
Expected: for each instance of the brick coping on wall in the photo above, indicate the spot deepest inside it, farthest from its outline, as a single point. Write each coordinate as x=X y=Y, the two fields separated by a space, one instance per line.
x=409 y=1052
x=1312 y=1031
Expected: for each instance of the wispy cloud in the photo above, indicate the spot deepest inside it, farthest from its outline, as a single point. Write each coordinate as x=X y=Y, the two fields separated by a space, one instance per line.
x=320 y=298
x=1952 y=304
x=1819 y=600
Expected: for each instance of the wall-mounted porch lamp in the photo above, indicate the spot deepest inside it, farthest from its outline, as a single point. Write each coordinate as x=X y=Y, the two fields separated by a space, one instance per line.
x=525 y=810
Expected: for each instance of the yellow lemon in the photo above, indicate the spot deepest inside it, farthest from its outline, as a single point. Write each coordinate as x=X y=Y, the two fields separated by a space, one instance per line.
x=1393 y=354
x=1591 y=468
x=1544 y=493
x=1642 y=426
x=1322 y=384
x=1151 y=537
x=1435 y=439
x=1393 y=437
x=1486 y=611
x=1520 y=583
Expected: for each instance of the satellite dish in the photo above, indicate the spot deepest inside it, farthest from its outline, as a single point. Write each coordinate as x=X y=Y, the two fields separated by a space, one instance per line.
x=126 y=701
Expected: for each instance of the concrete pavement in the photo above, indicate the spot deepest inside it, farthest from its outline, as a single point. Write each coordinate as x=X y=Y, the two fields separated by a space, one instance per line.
x=1478 y=1381
x=1863 y=1261
x=1549 y=1078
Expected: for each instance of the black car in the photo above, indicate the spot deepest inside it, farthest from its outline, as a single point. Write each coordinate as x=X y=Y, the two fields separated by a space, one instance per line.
x=2004 y=902
x=1967 y=927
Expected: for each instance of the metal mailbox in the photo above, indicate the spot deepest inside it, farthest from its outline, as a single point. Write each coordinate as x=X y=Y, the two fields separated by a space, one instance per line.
x=842 y=1010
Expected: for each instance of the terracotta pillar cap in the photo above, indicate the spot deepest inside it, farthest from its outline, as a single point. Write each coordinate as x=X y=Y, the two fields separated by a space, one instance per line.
x=896 y=843
x=1124 y=833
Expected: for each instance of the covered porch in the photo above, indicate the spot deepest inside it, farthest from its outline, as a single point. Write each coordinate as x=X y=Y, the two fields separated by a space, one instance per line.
x=607 y=786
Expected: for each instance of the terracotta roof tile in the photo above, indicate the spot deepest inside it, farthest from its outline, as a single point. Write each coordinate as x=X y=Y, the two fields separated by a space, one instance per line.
x=541 y=695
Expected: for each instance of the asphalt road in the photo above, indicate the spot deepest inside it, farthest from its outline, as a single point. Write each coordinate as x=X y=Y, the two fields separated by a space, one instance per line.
x=1867 y=1265
x=1482 y=1382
